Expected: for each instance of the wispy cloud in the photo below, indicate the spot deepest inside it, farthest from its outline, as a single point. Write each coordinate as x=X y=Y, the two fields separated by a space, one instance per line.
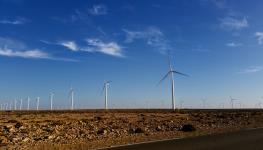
x=252 y=69
x=110 y=48
x=14 y=48
x=98 y=10
x=152 y=35
x=259 y=36
x=18 y=21
x=70 y=45
x=231 y=23
x=95 y=45
x=25 y=54
x=233 y=44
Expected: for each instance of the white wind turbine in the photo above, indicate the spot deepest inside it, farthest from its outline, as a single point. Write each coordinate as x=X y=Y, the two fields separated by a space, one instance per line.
x=71 y=96
x=15 y=104
x=10 y=106
x=37 y=100
x=232 y=101
x=6 y=106
x=21 y=103
x=105 y=89
x=171 y=74
x=51 y=96
x=28 y=103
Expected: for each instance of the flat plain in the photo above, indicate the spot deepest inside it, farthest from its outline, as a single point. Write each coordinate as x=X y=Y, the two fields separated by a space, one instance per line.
x=93 y=129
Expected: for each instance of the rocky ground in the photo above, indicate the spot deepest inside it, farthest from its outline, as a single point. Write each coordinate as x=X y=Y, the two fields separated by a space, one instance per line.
x=96 y=129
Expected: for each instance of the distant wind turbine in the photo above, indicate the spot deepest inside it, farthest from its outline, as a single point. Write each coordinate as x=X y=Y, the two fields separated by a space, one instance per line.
x=71 y=96
x=181 y=104
x=232 y=101
x=10 y=106
x=28 y=103
x=204 y=102
x=171 y=74
x=6 y=106
x=21 y=104
x=37 y=100
x=51 y=100
x=15 y=104
x=105 y=89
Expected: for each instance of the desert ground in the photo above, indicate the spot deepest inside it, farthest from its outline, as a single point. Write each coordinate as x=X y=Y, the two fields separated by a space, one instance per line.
x=93 y=129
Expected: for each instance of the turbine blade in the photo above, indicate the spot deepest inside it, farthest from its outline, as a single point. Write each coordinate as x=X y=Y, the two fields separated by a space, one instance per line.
x=103 y=88
x=180 y=73
x=163 y=78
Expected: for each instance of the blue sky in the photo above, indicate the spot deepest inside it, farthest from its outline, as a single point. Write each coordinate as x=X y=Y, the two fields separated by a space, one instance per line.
x=50 y=45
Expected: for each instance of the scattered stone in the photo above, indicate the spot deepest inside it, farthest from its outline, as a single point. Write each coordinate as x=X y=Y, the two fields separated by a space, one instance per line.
x=26 y=139
x=188 y=128
x=135 y=130
x=158 y=128
x=18 y=125
x=3 y=140
x=102 y=131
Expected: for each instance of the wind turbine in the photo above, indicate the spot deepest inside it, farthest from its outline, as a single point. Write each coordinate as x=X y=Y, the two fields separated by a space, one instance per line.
x=10 y=106
x=6 y=106
x=38 y=99
x=15 y=104
x=28 y=103
x=232 y=100
x=21 y=103
x=181 y=104
x=71 y=96
x=222 y=105
x=105 y=89
x=171 y=74
x=51 y=100
x=204 y=103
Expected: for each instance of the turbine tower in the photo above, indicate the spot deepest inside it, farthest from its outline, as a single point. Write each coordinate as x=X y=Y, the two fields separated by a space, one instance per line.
x=171 y=74
x=71 y=96
x=21 y=103
x=15 y=104
x=232 y=100
x=51 y=100
x=105 y=89
x=28 y=103
x=38 y=99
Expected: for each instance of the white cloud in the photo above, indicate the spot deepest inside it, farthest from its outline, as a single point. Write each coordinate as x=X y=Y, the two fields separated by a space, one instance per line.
x=18 y=21
x=25 y=54
x=110 y=48
x=98 y=10
x=231 y=23
x=152 y=35
x=259 y=36
x=233 y=44
x=252 y=69
x=95 y=45
x=70 y=45
x=14 y=48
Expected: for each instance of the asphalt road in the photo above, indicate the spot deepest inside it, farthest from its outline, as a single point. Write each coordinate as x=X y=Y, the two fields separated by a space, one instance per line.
x=241 y=140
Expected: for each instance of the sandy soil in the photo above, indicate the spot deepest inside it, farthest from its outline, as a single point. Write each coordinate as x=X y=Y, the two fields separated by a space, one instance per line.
x=96 y=128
